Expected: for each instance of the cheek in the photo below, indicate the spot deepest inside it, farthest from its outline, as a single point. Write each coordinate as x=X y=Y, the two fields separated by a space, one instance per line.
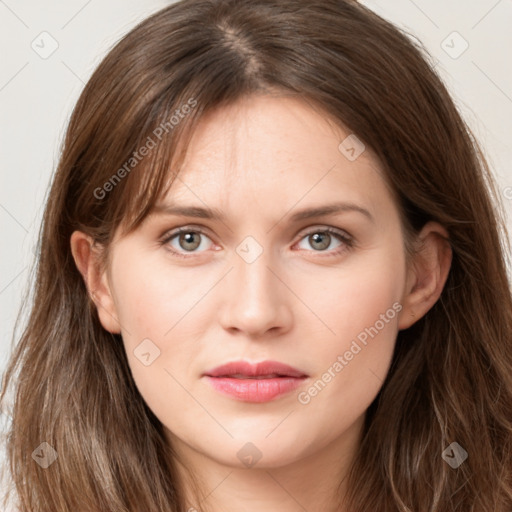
x=363 y=326
x=362 y=307
x=160 y=314
x=355 y=297
x=153 y=302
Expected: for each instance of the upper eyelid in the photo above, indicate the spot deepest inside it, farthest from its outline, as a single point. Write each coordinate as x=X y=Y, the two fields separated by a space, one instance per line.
x=320 y=228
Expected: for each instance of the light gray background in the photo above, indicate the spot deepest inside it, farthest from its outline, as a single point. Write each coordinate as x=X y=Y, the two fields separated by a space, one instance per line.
x=37 y=95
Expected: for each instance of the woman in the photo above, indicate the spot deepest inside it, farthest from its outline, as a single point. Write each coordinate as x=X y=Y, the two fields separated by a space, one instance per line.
x=271 y=275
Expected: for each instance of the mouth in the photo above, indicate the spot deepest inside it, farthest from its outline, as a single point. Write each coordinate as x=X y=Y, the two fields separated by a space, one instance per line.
x=260 y=382
x=257 y=377
x=247 y=370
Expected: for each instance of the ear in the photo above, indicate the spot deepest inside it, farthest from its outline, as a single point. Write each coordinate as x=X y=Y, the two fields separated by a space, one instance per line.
x=87 y=260
x=427 y=273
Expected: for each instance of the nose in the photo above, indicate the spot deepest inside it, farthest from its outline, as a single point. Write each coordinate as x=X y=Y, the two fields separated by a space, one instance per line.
x=257 y=301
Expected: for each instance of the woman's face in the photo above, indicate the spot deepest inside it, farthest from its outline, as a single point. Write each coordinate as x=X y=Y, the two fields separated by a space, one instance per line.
x=264 y=282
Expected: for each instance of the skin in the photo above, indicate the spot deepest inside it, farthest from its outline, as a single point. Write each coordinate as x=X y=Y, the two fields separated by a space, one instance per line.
x=260 y=161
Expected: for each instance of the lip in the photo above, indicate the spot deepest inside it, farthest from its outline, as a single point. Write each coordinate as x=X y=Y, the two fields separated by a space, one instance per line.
x=249 y=369
x=239 y=380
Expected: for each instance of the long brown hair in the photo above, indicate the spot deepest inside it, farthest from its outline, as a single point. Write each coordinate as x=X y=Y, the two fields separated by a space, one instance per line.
x=451 y=375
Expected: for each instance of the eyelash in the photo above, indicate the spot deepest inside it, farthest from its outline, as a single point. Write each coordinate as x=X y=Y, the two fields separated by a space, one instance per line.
x=343 y=237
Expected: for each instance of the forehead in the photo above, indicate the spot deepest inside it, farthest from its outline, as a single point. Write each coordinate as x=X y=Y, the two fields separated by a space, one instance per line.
x=275 y=152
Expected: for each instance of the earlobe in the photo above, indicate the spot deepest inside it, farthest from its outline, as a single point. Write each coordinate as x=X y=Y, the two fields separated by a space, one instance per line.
x=427 y=274
x=87 y=260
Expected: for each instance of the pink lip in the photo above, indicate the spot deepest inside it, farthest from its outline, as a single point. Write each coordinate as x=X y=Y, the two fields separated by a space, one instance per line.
x=281 y=379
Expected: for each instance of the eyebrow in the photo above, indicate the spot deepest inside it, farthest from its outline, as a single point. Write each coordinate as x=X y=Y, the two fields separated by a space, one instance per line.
x=306 y=213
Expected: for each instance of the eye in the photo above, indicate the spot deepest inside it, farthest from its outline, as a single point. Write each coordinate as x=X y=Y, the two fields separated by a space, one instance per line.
x=185 y=240
x=322 y=238
x=189 y=239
